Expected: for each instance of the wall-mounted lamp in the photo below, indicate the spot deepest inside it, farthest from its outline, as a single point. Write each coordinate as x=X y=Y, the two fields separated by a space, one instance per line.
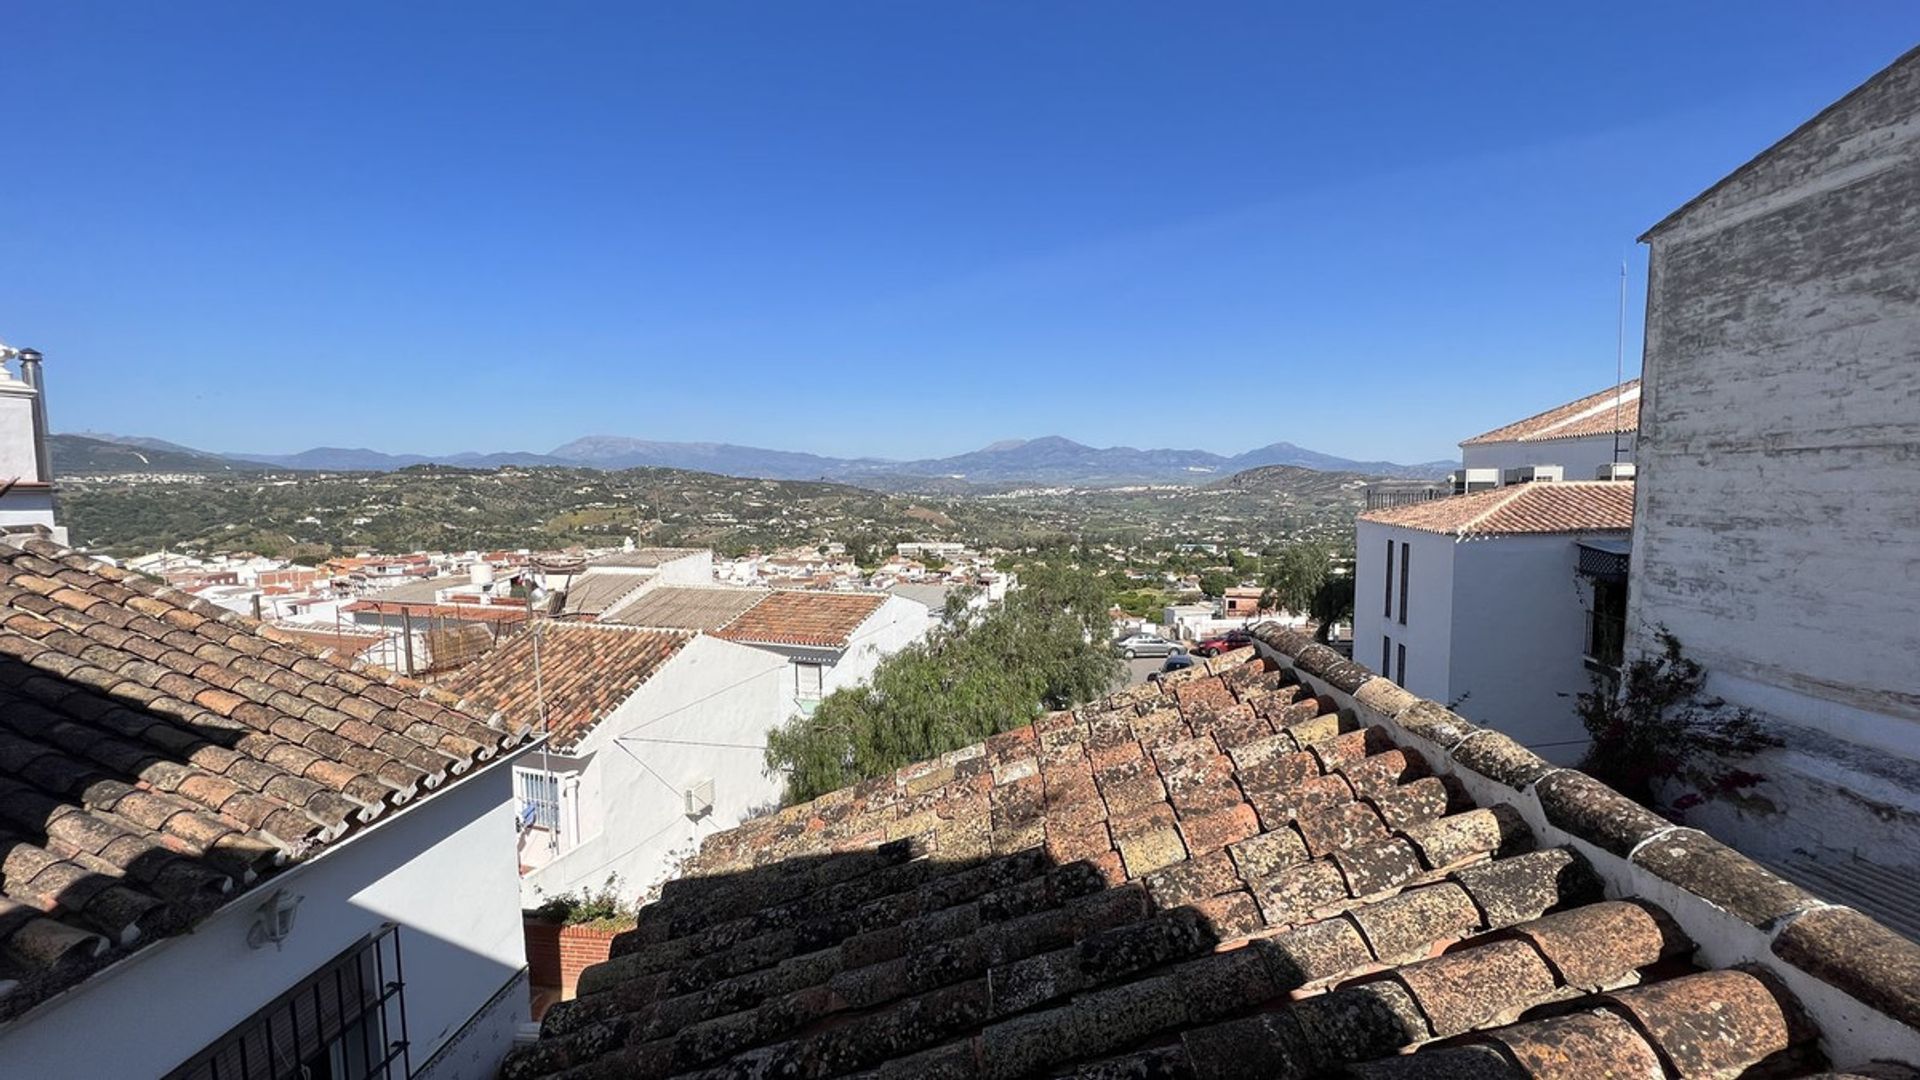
x=273 y=920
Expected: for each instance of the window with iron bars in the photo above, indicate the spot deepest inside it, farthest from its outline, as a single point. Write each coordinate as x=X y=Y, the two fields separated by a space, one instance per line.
x=346 y=1021
x=537 y=794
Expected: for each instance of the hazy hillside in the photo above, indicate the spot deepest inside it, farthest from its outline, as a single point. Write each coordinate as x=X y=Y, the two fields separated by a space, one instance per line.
x=82 y=455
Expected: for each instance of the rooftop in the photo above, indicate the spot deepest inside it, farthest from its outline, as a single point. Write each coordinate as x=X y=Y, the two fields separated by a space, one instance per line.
x=1574 y=506
x=644 y=558
x=586 y=670
x=159 y=755
x=593 y=594
x=685 y=607
x=803 y=617
x=1277 y=867
x=1595 y=414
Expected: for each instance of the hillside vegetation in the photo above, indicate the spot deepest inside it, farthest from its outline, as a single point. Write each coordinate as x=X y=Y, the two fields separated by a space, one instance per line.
x=312 y=516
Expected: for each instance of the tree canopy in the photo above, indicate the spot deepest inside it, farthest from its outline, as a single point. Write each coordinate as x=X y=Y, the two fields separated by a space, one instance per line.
x=1045 y=647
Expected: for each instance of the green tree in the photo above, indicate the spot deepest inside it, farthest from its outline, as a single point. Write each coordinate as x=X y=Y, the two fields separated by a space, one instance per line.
x=1332 y=603
x=1215 y=583
x=1044 y=647
x=1294 y=576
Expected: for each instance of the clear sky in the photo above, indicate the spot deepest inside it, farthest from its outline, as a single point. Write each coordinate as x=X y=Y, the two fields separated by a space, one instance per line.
x=901 y=229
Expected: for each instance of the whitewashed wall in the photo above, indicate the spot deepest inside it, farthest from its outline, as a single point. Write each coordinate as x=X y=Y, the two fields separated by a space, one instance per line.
x=1776 y=521
x=1581 y=458
x=1428 y=633
x=1519 y=616
x=704 y=715
x=444 y=870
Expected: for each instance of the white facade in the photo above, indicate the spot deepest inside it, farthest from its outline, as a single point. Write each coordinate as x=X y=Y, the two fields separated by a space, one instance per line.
x=1495 y=627
x=1776 y=534
x=702 y=717
x=1581 y=458
x=443 y=870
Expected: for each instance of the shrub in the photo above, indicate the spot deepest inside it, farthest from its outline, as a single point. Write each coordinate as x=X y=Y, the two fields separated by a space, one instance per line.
x=600 y=909
x=1657 y=728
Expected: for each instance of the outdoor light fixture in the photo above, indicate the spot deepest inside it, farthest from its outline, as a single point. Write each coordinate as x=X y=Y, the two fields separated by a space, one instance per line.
x=273 y=920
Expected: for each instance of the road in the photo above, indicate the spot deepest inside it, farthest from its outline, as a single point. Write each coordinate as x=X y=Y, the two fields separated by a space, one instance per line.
x=1138 y=670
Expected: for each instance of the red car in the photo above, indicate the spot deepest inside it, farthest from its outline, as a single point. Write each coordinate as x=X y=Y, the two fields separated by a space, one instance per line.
x=1227 y=642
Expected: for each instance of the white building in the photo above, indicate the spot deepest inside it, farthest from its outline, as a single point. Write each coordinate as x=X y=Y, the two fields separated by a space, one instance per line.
x=26 y=473
x=221 y=849
x=1582 y=440
x=1480 y=601
x=1778 y=529
x=830 y=640
x=656 y=740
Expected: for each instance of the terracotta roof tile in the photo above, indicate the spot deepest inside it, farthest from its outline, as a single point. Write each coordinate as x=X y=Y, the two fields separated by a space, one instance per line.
x=1044 y=903
x=159 y=754
x=802 y=617
x=1575 y=506
x=1594 y=414
x=684 y=607
x=585 y=671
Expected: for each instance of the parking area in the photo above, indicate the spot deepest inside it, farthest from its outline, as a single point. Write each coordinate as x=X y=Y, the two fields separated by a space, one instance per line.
x=1138 y=670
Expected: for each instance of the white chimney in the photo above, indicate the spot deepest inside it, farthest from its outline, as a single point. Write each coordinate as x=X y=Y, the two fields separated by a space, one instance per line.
x=482 y=574
x=26 y=469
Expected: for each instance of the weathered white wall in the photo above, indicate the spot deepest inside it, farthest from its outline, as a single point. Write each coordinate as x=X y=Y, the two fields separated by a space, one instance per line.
x=705 y=714
x=1581 y=457
x=696 y=569
x=896 y=624
x=1428 y=633
x=1779 y=496
x=1519 y=632
x=443 y=870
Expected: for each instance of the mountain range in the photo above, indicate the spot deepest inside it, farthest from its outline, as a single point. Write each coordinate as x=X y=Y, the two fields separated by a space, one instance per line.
x=1049 y=461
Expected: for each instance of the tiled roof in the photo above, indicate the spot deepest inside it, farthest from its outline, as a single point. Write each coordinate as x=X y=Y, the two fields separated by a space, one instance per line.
x=1228 y=877
x=345 y=638
x=643 y=558
x=1594 y=414
x=1575 y=506
x=488 y=613
x=804 y=617
x=159 y=754
x=685 y=607
x=586 y=671
x=592 y=594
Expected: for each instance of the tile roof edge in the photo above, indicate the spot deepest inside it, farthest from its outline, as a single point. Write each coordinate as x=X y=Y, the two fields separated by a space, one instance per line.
x=1854 y=974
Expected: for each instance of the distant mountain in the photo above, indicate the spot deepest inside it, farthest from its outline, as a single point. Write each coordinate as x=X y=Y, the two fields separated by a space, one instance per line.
x=342 y=459
x=1049 y=461
x=85 y=455
x=1055 y=460
x=1285 y=453
x=620 y=452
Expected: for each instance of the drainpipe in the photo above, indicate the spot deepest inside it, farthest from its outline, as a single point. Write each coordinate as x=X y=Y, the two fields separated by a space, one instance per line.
x=31 y=375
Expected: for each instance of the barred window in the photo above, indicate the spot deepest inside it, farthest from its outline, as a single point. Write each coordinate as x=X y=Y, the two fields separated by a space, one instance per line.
x=346 y=1021
x=537 y=797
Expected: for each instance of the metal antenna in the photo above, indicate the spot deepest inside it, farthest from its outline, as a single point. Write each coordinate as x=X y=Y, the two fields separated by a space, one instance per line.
x=1619 y=360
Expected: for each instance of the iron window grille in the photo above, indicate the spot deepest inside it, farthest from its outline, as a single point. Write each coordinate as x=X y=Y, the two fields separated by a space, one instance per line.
x=346 y=1021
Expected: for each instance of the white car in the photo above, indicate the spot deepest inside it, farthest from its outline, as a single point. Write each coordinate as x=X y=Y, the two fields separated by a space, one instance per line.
x=1139 y=645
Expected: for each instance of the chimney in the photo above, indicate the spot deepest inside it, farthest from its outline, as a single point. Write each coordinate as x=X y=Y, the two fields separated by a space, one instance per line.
x=26 y=471
x=31 y=374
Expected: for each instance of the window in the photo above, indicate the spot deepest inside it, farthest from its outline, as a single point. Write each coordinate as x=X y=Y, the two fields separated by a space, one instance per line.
x=1607 y=625
x=1406 y=557
x=346 y=1021
x=1389 y=612
x=1401 y=675
x=1386 y=655
x=809 y=676
x=537 y=794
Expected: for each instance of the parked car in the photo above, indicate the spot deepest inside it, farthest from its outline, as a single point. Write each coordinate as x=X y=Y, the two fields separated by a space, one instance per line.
x=1227 y=642
x=1138 y=645
x=1176 y=662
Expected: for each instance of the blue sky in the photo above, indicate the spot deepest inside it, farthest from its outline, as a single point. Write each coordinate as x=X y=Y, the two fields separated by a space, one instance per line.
x=899 y=229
